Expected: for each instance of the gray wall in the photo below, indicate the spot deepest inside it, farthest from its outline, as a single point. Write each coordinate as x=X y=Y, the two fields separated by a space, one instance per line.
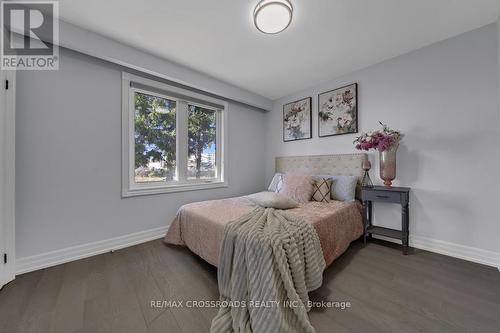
x=68 y=160
x=444 y=98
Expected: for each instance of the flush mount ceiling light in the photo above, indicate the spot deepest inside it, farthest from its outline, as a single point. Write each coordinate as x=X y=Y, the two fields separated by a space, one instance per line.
x=273 y=16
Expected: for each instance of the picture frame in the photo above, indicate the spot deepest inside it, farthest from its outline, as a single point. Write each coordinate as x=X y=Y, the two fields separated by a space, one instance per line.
x=338 y=111
x=297 y=120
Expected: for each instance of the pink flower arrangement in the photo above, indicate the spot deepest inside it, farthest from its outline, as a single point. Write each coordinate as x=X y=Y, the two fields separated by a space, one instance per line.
x=379 y=140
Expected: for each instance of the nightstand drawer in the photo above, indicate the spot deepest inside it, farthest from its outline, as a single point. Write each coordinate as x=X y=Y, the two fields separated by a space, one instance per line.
x=381 y=196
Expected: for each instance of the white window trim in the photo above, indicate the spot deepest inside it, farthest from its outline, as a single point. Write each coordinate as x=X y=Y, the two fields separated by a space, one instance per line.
x=129 y=187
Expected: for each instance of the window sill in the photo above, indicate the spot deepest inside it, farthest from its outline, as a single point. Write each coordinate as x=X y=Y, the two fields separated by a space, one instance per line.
x=162 y=189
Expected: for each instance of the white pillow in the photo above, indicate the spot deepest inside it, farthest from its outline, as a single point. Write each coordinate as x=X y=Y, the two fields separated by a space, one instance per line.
x=344 y=188
x=276 y=183
x=272 y=200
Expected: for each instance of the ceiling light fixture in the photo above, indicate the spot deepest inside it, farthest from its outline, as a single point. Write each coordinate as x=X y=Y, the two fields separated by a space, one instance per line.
x=273 y=16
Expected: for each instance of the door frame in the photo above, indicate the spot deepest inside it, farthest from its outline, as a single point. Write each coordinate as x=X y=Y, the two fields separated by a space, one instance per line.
x=7 y=176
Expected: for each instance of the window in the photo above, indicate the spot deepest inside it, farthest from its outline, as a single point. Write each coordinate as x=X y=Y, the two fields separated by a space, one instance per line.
x=202 y=139
x=173 y=139
x=155 y=139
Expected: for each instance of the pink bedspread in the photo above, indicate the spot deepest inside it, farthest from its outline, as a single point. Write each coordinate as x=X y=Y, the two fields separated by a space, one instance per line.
x=200 y=225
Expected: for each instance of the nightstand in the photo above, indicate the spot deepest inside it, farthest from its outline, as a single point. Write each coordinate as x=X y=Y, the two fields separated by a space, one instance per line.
x=399 y=195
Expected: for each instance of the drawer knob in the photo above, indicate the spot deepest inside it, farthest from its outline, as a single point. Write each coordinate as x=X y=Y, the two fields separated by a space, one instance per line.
x=382 y=196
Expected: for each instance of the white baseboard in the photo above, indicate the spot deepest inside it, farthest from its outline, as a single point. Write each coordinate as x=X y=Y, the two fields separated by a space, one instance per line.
x=57 y=257
x=469 y=253
x=53 y=258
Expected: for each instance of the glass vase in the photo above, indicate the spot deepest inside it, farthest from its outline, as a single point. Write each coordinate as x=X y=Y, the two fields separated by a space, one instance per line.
x=387 y=160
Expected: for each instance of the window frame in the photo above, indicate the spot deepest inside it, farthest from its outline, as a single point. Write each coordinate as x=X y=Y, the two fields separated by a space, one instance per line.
x=130 y=187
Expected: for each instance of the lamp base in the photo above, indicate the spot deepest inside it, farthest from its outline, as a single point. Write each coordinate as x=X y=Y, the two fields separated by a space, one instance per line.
x=366 y=181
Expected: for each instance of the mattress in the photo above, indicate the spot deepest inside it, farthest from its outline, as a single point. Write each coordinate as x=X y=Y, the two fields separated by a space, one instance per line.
x=200 y=225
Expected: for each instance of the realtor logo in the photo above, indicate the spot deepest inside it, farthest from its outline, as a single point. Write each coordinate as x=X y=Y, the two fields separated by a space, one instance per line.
x=30 y=35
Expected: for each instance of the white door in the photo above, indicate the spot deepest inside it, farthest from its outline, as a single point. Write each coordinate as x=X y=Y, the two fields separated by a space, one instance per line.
x=7 y=176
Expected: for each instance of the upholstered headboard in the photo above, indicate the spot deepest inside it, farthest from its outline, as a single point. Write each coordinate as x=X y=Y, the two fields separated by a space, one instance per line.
x=342 y=165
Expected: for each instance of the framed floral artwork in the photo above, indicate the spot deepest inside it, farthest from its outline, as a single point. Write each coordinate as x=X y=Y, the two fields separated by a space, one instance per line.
x=297 y=120
x=338 y=111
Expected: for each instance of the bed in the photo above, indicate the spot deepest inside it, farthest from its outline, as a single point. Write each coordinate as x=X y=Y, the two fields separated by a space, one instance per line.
x=200 y=225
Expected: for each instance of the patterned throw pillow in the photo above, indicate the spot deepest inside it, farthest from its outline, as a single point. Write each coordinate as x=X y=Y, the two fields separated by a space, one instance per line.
x=344 y=188
x=322 y=188
x=276 y=183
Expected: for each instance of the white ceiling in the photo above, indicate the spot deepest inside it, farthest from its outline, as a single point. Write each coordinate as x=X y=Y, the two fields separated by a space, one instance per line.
x=327 y=38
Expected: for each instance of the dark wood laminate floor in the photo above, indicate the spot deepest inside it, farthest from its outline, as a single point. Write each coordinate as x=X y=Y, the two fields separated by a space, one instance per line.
x=388 y=292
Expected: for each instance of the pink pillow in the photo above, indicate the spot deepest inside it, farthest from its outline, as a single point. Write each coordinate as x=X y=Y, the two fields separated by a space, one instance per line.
x=298 y=187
